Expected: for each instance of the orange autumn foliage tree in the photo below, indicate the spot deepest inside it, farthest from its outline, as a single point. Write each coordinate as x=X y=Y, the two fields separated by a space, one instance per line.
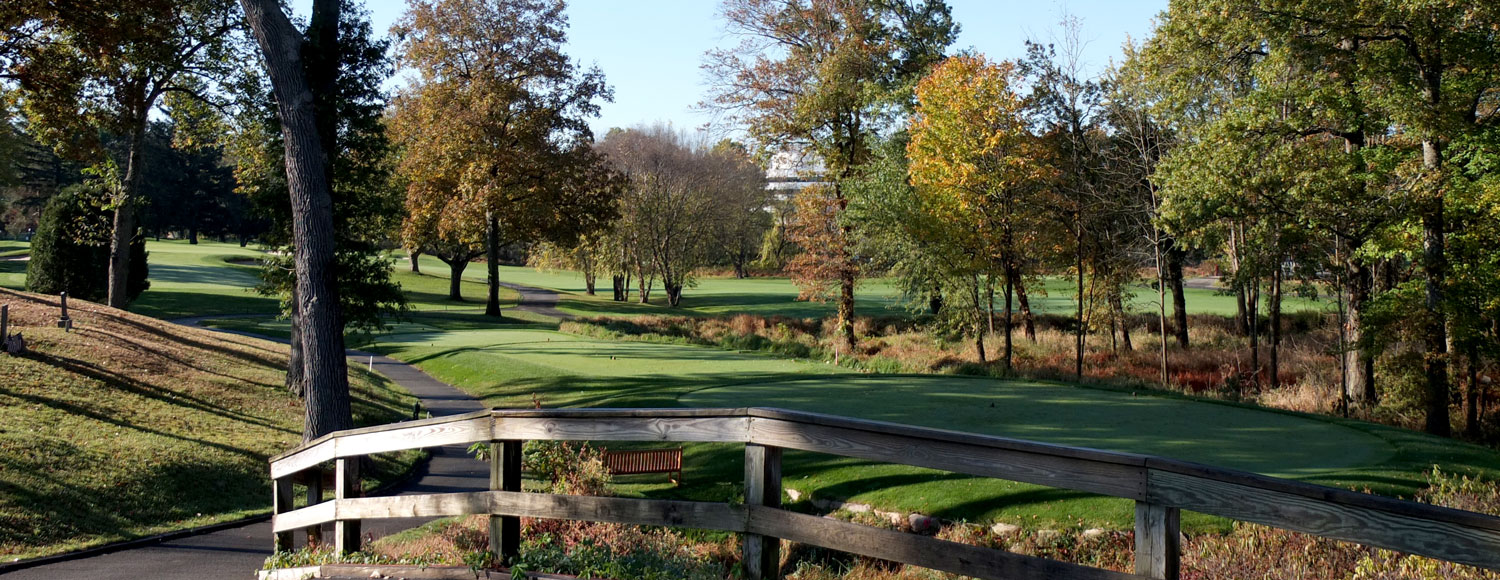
x=977 y=170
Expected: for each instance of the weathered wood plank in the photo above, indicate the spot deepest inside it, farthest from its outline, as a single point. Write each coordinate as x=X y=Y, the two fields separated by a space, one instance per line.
x=614 y=412
x=1444 y=540
x=281 y=503
x=379 y=429
x=918 y=550
x=346 y=486
x=457 y=432
x=679 y=429
x=303 y=518
x=1120 y=480
x=1326 y=494
x=505 y=475
x=305 y=458
x=1158 y=541
x=644 y=512
x=761 y=555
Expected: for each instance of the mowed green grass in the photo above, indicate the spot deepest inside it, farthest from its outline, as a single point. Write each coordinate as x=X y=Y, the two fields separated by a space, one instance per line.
x=12 y=248
x=777 y=296
x=513 y=367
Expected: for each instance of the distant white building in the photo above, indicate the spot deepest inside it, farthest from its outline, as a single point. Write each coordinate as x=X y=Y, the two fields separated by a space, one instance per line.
x=792 y=170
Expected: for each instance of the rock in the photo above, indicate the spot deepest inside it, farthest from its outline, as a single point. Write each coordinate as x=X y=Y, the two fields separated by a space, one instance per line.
x=1047 y=536
x=857 y=508
x=1093 y=534
x=376 y=575
x=924 y=524
x=1004 y=529
x=794 y=494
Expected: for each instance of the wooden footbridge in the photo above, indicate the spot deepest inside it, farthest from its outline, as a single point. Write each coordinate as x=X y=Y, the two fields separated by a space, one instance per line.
x=1160 y=487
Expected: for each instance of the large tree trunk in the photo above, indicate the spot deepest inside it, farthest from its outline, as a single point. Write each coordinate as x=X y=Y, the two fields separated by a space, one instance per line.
x=1028 y=321
x=1010 y=286
x=1082 y=326
x=617 y=282
x=1435 y=270
x=1175 y=256
x=1118 y=304
x=1359 y=359
x=1275 y=308
x=1252 y=304
x=674 y=293
x=294 y=375
x=979 y=320
x=492 y=263
x=325 y=371
x=456 y=267
x=1471 y=423
x=124 y=226
x=414 y=257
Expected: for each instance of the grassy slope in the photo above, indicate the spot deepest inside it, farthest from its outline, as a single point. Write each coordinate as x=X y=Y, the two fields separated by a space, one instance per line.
x=129 y=426
x=506 y=367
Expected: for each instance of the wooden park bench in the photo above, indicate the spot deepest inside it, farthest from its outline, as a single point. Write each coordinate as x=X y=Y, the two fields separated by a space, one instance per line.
x=640 y=461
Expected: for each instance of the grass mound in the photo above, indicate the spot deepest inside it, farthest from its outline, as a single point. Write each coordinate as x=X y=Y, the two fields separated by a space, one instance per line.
x=129 y=426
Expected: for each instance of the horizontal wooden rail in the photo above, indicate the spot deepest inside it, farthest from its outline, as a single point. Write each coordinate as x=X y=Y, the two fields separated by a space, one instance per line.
x=1161 y=487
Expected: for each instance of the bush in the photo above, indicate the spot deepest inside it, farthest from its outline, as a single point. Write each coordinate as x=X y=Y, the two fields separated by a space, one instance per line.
x=70 y=252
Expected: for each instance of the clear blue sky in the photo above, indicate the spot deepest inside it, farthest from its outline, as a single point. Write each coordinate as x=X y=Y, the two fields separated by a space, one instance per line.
x=650 y=50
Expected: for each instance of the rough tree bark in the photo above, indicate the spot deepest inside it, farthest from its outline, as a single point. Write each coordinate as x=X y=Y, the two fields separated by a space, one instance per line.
x=124 y=223
x=325 y=371
x=492 y=263
x=1435 y=270
x=1175 y=256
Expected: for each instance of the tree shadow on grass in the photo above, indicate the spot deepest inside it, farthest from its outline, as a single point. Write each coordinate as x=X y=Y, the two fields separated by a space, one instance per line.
x=183 y=338
x=143 y=390
x=47 y=506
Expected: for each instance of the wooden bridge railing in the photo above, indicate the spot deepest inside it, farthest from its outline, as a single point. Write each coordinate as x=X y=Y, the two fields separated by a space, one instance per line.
x=1160 y=487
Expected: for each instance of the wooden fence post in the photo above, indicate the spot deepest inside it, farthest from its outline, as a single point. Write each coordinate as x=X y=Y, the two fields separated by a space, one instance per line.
x=281 y=502
x=346 y=486
x=505 y=475
x=4 y=325
x=314 y=497
x=762 y=554
x=1158 y=548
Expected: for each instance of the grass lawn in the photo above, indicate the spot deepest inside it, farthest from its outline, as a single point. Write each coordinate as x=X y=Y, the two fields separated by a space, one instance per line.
x=507 y=367
x=12 y=248
x=129 y=426
x=777 y=296
x=200 y=280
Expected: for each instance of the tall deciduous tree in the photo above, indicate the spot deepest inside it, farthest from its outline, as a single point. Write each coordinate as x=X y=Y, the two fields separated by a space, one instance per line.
x=301 y=70
x=499 y=112
x=828 y=74
x=974 y=158
x=86 y=68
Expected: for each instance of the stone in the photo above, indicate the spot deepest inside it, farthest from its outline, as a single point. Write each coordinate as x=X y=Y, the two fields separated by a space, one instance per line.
x=1093 y=533
x=1047 y=536
x=1004 y=529
x=923 y=524
x=793 y=494
x=857 y=508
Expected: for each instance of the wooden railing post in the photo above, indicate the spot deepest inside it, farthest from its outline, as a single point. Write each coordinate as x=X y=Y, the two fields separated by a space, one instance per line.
x=346 y=486
x=281 y=502
x=505 y=475
x=762 y=554
x=314 y=497
x=1158 y=548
